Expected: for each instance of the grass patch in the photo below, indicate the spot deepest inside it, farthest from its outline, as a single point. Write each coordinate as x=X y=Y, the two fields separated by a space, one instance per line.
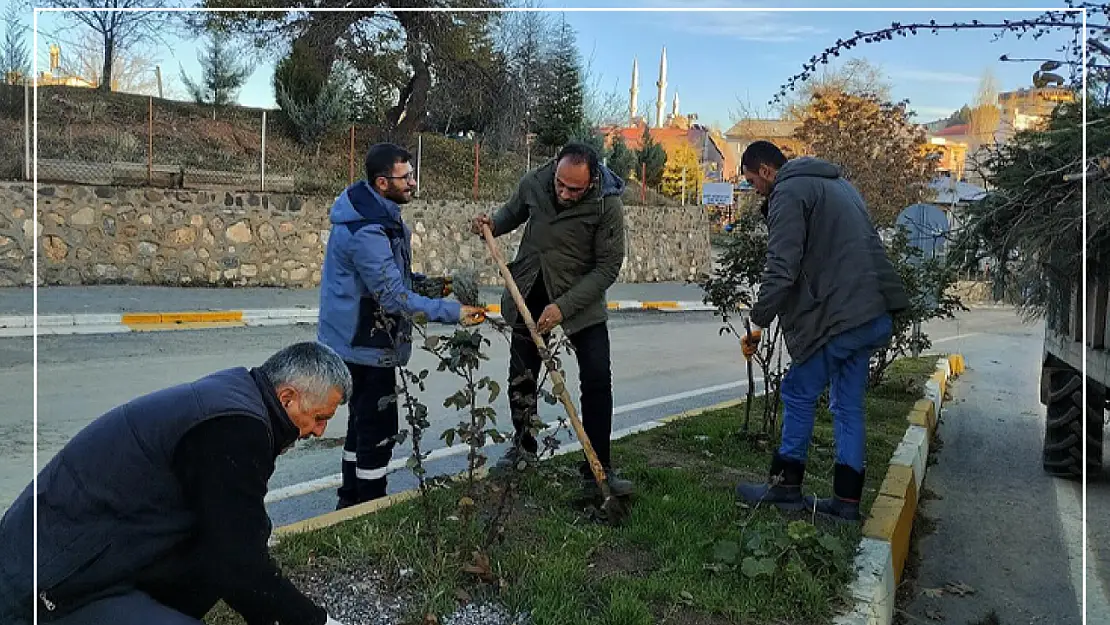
x=688 y=553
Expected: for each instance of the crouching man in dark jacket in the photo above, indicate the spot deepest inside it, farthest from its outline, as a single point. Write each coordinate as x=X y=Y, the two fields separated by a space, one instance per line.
x=155 y=511
x=833 y=289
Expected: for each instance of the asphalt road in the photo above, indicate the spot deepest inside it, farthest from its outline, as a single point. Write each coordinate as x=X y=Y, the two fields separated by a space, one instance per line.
x=1007 y=536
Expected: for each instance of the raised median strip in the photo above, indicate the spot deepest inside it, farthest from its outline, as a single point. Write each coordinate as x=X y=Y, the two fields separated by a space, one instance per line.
x=887 y=532
x=48 y=324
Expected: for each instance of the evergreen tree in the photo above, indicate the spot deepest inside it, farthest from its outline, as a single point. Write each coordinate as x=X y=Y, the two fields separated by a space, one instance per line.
x=222 y=73
x=15 y=62
x=621 y=159
x=653 y=156
x=561 y=103
x=299 y=75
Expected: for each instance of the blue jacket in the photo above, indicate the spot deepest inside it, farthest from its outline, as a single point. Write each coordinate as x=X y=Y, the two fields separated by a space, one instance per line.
x=368 y=276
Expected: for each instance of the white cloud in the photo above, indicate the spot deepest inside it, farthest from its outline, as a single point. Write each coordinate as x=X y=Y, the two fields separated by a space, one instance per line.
x=931 y=112
x=761 y=26
x=924 y=75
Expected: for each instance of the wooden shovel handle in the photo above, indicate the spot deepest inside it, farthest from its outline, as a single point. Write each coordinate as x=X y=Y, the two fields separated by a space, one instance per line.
x=556 y=377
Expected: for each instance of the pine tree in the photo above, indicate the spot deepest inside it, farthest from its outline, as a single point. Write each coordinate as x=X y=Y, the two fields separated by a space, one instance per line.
x=14 y=58
x=621 y=159
x=222 y=74
x=561 y=106
x=299 y=75
x=653 y=156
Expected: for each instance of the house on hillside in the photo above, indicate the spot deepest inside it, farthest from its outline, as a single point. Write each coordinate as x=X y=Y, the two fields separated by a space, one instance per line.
x=1026 y=108
x=56 y=75
x=679 y=131
x=778 y=131
x=953 y=144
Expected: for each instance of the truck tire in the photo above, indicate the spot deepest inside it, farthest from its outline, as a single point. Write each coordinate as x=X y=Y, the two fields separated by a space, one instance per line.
x=1063 y=450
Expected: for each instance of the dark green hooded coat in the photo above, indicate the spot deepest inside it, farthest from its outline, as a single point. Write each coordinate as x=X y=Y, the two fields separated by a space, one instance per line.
x=579 y=249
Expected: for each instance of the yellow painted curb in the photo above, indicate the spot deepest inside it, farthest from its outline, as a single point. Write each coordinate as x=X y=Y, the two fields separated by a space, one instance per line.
x=660 y=305
x=941 y=380
x=891 y=520
x=956 y=363
x=698 y=411
x=186 y=319
x=924 y=414
x=613 y=305
x=494 y=308
x=346 y=514
x=131 y=319
x=359 y=510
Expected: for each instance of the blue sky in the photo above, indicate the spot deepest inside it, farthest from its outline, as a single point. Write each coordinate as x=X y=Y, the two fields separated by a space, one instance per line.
x=716 y=58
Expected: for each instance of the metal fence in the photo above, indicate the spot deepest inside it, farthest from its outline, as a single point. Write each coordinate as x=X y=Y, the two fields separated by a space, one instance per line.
x=88 y=137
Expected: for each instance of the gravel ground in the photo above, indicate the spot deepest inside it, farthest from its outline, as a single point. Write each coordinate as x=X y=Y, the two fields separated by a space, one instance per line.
x=353 y=597
x=362 y=597
x=485 y=614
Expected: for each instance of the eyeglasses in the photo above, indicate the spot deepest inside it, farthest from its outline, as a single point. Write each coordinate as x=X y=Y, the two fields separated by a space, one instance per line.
x=409 y=176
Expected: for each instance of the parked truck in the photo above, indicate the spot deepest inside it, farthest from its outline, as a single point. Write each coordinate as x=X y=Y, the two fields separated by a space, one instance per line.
x=1062 y=372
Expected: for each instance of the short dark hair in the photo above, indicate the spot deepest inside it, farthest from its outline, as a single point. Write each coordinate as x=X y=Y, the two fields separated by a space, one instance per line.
x=762 y=153
x=381 y=158
x=579 y=153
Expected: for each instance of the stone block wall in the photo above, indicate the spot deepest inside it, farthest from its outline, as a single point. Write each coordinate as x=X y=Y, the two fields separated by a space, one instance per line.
x=118 y=235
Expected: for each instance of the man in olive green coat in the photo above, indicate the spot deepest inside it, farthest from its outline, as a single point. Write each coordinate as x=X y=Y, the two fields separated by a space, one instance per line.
x=570 y=254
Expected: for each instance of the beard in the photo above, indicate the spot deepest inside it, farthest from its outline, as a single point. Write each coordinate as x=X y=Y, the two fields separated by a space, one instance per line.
x=400 y=196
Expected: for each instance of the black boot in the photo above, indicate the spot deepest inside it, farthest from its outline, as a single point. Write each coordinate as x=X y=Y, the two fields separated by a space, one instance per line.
x=784 y=487
x=524 y=447
x=618 y=486
x=847 y=490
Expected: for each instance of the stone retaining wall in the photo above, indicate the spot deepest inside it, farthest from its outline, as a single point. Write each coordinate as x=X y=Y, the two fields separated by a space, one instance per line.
x=118 y=235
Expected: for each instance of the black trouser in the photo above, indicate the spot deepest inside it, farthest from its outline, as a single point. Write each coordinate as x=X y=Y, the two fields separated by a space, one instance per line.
x=591 y=346
x=368 y=425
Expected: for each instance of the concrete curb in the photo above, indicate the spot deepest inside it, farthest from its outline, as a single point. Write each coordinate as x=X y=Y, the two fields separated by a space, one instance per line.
x=885 y=545
x=23 y=325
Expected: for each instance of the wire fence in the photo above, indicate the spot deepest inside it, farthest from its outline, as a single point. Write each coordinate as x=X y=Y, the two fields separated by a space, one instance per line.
x=89 y=137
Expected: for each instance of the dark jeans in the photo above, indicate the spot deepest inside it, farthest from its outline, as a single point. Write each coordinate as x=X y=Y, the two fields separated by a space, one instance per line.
x=842 y=365
x=591 y=347
x=368 y=425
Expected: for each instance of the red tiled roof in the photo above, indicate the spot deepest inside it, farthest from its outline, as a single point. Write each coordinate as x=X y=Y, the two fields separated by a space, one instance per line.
x=669 y=138
x=953 y=131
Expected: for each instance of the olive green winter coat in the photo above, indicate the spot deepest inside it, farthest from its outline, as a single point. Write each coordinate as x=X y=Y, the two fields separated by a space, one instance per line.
x=580 y=249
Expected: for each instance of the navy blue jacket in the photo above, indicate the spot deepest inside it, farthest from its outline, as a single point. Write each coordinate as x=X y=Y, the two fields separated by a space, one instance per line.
x=113 y=508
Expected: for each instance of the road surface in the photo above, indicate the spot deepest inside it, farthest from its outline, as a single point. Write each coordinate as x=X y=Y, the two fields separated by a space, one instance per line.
x=1008 y=533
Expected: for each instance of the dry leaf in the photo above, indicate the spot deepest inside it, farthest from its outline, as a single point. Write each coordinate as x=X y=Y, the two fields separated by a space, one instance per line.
x=462 y=595
x=934 y=615
x=481 y=568
x=431 y=619
x=933 y=593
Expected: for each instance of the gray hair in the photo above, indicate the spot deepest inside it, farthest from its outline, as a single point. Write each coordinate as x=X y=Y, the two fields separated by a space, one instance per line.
x=311 y=368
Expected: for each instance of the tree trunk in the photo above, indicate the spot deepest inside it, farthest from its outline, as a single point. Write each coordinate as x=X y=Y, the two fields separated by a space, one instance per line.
x=106 y=71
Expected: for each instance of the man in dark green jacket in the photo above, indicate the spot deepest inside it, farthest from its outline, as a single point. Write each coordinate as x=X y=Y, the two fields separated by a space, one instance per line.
x=571 y=253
